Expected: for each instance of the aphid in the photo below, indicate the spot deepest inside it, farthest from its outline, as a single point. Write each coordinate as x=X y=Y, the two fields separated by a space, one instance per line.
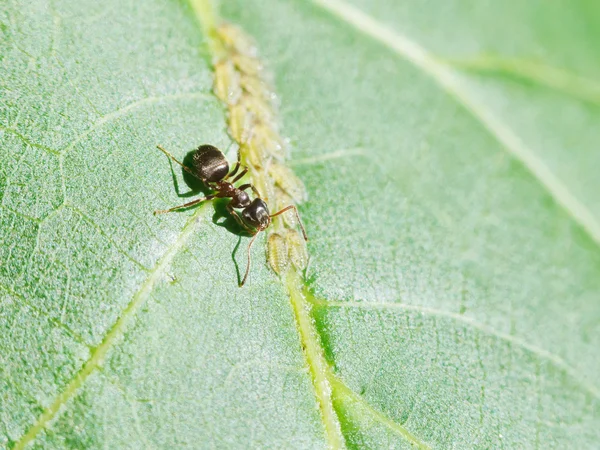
x=277 y=252
x=227 y=82
x=286 y=180
x=268 y=141
x=258 y=88
x=297 y=251
x=260 y=108
x=254 y=153
x=247 y=64
x=211 y=167
x=241 y=121
x=283 y=199
x=234 y=38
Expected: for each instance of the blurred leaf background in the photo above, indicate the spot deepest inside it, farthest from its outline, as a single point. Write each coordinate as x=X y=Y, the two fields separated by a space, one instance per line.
x=450 y=153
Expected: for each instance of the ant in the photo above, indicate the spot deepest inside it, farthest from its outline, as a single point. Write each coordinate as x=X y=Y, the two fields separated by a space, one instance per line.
x=211 y=167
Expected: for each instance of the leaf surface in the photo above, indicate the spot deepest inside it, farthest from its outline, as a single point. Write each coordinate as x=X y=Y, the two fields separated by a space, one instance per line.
x=453 y=214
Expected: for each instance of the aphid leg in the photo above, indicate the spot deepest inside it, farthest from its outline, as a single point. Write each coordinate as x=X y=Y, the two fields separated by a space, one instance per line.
x=249 y=259
x=243 y=187
x=185 y=205
x=297 y=216
x=238 y=219
x=186 y=168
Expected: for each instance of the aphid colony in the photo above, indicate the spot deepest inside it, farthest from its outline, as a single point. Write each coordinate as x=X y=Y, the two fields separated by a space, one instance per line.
x=241 y=84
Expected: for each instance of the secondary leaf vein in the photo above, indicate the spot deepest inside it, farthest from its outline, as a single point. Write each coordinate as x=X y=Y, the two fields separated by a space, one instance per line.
x=99 y=353
x=126 y=109
x=556 y=360
x=554 y=78
x=450 y=81
x=342 y=390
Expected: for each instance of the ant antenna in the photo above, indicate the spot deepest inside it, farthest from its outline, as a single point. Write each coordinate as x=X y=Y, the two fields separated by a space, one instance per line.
x=287 y=208
x=248 y=266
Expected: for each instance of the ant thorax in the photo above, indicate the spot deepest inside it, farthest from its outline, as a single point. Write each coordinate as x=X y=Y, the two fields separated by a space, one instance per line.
x=240 y=199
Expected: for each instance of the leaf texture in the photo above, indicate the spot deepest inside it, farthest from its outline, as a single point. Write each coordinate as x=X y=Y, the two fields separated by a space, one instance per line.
x=452 y=209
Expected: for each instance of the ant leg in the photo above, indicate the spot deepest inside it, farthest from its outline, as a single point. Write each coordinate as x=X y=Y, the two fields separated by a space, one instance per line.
x=243 y=187
x=240 y=175
x=185 y=205
x=186 y=168
x=297 y=216
x=249 y=259
x=238 y=219
x=237 y=165
x=234 y=171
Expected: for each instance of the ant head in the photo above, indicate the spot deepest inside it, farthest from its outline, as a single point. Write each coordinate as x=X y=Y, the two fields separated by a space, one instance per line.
x=240 y=199
x=257 y=214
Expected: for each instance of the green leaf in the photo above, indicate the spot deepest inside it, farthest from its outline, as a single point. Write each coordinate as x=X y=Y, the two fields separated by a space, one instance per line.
x=449 y=153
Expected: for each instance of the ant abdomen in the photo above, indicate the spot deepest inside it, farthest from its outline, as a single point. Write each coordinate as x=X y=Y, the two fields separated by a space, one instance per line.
x=210 y=163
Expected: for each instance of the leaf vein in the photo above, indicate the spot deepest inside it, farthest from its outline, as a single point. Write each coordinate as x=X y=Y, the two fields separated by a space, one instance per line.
x=340 y=388
x=560 y=80
x=450 y=81
x=556 y=360
x=126 y=109
x=107 y=236
x=116 y=331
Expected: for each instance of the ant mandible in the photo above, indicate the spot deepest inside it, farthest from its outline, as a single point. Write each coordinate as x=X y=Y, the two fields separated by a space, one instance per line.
x=211 y=167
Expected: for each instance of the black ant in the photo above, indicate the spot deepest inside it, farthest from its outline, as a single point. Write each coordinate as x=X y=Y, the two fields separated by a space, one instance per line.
x=211 y=167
